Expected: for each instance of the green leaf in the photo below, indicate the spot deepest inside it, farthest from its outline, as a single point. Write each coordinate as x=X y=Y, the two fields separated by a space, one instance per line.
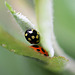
x=21 y=20
x=54 y=64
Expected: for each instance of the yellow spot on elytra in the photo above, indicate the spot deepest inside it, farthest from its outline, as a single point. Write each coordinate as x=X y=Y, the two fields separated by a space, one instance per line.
x=26 y=34
x=37 y=41
x=37 y=36
x=37 y=32
x=29 y=39
x=32 y=30
x=33 y=37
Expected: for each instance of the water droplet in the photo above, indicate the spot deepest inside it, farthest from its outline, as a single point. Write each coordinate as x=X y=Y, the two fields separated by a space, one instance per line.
x=3 y=45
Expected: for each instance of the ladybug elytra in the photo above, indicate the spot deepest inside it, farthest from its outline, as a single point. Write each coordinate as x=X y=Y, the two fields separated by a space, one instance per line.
x=32 y=36
x=40 y=50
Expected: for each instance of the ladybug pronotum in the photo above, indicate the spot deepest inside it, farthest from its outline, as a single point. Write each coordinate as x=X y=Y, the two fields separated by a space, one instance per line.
x=40 y=50
x=32 y=36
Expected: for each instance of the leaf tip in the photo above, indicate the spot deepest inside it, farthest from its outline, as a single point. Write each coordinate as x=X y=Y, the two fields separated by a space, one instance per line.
x=9 y=7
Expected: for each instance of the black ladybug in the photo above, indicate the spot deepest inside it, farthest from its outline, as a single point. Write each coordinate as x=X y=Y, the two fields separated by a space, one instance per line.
x=32 y=36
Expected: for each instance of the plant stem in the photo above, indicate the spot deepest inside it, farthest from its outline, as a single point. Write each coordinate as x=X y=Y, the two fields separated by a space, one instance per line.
x=44 y=13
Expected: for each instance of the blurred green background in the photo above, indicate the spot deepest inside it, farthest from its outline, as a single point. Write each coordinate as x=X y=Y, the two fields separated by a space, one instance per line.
x=64 y=28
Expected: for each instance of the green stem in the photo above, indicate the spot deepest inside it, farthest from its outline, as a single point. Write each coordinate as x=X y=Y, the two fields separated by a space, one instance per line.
x=44 y=13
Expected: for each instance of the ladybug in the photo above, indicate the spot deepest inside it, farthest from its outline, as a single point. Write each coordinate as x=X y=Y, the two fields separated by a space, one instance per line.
x=32 y=36
x=40 y=50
